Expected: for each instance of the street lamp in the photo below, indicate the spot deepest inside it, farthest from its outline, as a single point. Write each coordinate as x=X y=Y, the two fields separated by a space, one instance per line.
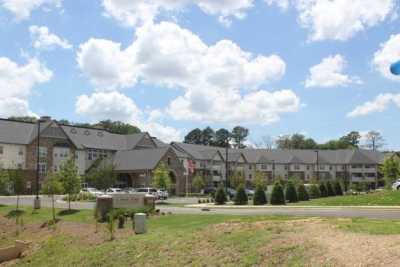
x=316 y=151
x=36 y=202
x=226 y=162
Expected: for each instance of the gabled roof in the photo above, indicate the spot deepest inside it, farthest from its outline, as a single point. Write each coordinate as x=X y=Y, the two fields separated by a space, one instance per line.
x=13 y=132
x=143 y=159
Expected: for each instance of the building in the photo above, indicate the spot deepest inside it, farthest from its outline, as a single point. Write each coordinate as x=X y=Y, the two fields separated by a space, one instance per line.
x=134 y=156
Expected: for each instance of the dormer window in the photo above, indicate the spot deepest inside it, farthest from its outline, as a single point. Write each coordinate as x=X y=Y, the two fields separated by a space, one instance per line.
x=87 y=132
x=100 y=134
x=73 y=131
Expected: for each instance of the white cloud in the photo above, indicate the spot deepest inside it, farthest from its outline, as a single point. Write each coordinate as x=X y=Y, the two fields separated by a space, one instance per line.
x=387 y=55
x=166 y=55
x=22 y=8
x=342 y=19
x=283 y=4
x=379 y=104
x=42 y=38
x=16 y=83
x=140 y=12
x=116 y=106
x=329 y=73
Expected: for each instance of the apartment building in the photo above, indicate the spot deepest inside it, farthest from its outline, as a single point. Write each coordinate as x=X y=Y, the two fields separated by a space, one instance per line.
x=134 y=156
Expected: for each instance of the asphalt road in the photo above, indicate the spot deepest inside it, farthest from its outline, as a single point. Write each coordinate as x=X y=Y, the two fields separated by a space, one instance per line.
x=350 y=212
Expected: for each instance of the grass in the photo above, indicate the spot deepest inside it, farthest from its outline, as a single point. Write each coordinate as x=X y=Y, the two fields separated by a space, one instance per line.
x=380 y=198
x=368 y=226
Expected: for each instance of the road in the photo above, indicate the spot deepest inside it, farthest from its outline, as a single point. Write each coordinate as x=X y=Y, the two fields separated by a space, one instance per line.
x=349 y=212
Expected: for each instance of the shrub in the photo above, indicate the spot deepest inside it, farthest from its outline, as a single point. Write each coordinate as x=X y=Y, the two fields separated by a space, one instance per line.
x=277 y=196
x=111 y=224
x=302 y=193
x=259 y=196
x=220 y=196
x=314 y=192
x=291 y=194
x=329 y=189
x=322 y=189
x=241 y=196
x=338 y=188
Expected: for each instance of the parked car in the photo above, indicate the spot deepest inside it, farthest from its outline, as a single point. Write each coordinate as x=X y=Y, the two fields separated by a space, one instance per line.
x=209 y=190
x=114 y=191
x=162 y=194
x=148 y=190
x=396 y=185
x=249 y=192
x=129 y=190
x=231 y=192
x=91 y=190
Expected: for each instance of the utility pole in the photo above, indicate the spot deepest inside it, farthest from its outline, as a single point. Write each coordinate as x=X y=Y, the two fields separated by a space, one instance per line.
x=316 y=151
x=36 y=202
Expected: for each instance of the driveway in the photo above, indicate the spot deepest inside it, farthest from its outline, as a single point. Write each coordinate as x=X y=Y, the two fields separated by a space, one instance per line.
x=350 y=212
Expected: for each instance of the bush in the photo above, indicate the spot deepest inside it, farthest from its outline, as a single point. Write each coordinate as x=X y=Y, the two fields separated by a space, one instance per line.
x=241 y=196
x=302 y=193
x=259 y=196
x=338 y=188
x=314 y=192
x=220 y=196
x=323 y=191
x=291 y=194
x=329 y=189
x=277 y=196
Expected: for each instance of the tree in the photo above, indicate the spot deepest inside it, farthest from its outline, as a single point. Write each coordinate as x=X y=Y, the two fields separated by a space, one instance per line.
x=260 y=180
x=277 y=196
x=323 y=191
x=284 y=142
x=23 y=118
x=70 y=179
x=237 y=179
x=291 y=194
x=302 y=193
x=221 y=138
x=194 y=137
x=239 y=135
x=266 y=142
x=314 y=192
x=391 y=170
x=51 y=187
x=17 y=183
x=207 y=136
x=241 y=196
x=259 y=196
x=220 y=196
x=117 y=127
x=161 y=178
x=374 y=140
x=338 y=188
x=330 y=190
x=198 y=183
x=4 y=182
x=352 y=138
x=102 y=176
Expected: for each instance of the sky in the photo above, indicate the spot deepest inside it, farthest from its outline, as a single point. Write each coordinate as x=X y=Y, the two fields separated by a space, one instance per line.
x=316 y=67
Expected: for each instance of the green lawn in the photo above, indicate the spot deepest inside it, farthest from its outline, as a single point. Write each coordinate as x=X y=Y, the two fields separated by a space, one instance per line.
x=382 y=198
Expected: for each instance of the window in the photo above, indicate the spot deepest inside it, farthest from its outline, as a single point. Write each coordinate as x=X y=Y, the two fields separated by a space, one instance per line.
x=73 y=131
x=356 y=166
x=322 y=167
x=87 y=132
x=1 y=150
x=249 y=167
x=21 y=151
x=55 y=168
x=19 y=165
x=308 y=167
x=369 y=166
x=169 y=161
x=42 y=168
x=330 y=168
x=286 y=167
x=297 y=167
x=42 y=152
x=250 y=177
x=264 y=166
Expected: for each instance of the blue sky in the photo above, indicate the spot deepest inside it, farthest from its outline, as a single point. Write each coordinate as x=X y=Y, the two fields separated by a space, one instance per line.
x=317 y=67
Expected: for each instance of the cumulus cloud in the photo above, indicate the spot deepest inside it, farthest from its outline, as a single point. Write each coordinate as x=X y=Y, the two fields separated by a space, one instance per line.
x=342 y=19
x=167 y=55
x=388 y=54
x=283 y=4
x=22 y=8
x=329 y=73
x=379 y=104
x=117 y=106
x=42 y=38
x=17 y=82
x=140 y=12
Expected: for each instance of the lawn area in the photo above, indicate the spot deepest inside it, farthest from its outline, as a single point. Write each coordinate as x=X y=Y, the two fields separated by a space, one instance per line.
x=206 y=240
x=380 y=198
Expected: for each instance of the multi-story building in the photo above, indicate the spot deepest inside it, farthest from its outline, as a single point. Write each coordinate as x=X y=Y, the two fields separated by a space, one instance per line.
x=134 y=156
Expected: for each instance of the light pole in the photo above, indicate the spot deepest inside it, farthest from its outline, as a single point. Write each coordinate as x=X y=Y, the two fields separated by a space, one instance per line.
x=273 y=170
x=316 y=151
x=226 y=163
x=36 y=202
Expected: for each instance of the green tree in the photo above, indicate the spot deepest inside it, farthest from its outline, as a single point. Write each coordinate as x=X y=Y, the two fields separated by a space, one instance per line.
x=330 y=190
x=338 y=188
x=323 y=191
x=302 y=193
x=277 y=196
x=314 y=192
x=259 y=196
x=221 y=137
x=193 y=137
x=51 y=187
x=207 y=136
x=220 y=196
x=198 y=183
x=23 y=118
x=4 y=182
x=102 y=176
x=239 y=135
x=391 y=171
x=237 y=179
x=291 y=194
x=241 y=196
x=161 y=178
x=260 y=180
x=17 y=183
x=352 y=139
x=117 y=127
x=71 y=181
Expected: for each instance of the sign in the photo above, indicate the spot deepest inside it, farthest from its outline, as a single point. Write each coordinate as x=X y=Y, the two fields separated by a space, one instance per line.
x=129 y=201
